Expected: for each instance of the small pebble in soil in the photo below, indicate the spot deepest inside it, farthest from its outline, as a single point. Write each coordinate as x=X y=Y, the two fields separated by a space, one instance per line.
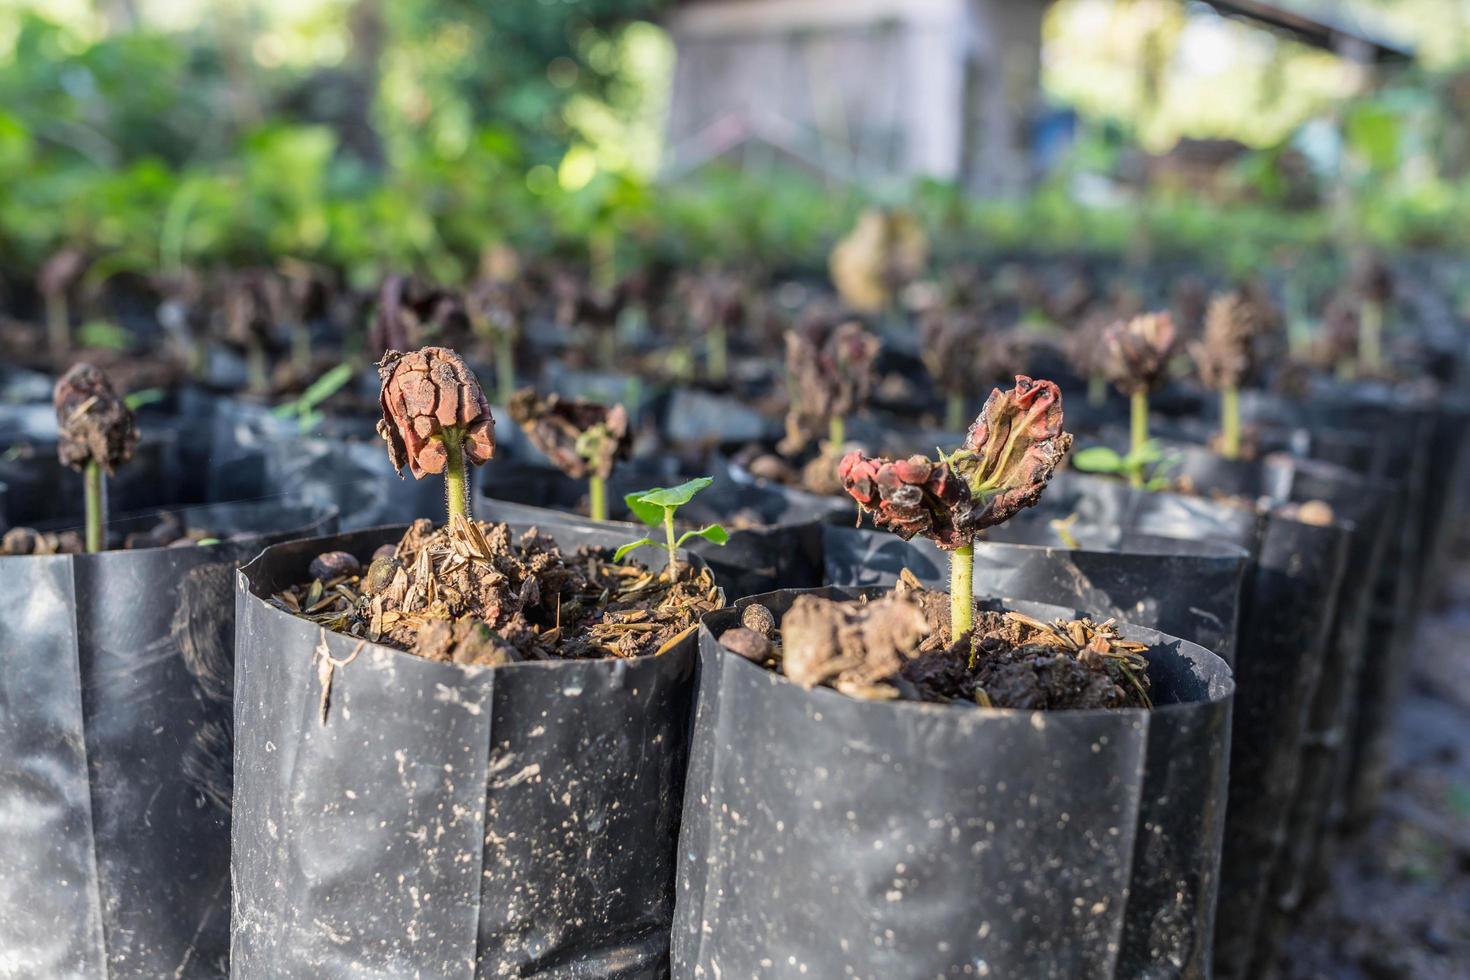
x=757 y=617
x=747 y=643
x=385 y=551
x=332 y=564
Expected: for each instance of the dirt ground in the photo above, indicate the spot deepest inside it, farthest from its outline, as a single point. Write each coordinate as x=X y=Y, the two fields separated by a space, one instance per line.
x=1399 y=908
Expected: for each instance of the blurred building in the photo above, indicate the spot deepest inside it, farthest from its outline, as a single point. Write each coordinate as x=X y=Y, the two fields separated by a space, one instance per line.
x=862 y=90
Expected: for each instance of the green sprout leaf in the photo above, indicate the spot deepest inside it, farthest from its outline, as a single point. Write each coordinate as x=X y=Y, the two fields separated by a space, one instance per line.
x=304 y=407
x=631 y=546
x=103 y=334
x=1098 y=459
x=713 y=533
x=649 y=505
x=144 y=396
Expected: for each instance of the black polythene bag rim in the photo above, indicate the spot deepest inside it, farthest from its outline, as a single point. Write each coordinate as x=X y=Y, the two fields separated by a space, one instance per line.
x=734 y=748
x=786 y=554
x=303 y=911
x=1188 y=589
x=114 y=751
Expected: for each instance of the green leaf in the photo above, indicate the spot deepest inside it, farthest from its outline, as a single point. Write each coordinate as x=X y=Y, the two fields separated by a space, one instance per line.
x=649 y=505
x=1144 y=455
x=714 y=533
x=205 y=542
x=1097 y=459
x=647 y=513
x=143 y=396
x=104 y=334
x=622 y=552
x=676 y=496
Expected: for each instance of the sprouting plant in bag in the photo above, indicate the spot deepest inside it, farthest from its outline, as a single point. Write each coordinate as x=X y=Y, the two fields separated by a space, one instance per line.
x=494 y=307
x=1136 y=361
x=583 y=439
x=1008 y=457
x=304 y=407
x=959 y=350
x=885 y=251
x=657 y=508
x=1148 y=466
x=829 y=372
x=1226 y=357
x=1372 y=285
x=96 y=435
x=435 y=419
x=302 y=285
x=714 y=304
x=54 y=280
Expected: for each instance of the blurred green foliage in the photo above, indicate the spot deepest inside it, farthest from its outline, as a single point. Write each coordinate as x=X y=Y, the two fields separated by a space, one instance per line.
x=450 y=126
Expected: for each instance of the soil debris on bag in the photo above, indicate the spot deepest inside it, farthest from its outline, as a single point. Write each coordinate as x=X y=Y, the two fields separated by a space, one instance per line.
x=898 y=647
x=471 y=594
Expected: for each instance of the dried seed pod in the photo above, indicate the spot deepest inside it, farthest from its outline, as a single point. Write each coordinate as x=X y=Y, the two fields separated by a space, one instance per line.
x=1008 y=457
x=581 y=438
x=757 y=617
x=911 y=497
x=333 y=564
x=425 y=392
x=829 y=372
x=747 y=643
x=94 y=424
x=959 y=350
x=1225 y=356
x=1138 y=351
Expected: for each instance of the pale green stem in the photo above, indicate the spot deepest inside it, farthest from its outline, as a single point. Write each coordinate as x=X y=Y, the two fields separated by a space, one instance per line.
x=837 y=432
x=954 y=412
x=58 y=326
x=961 y=591
x=669 y=543
x=505 y=365
x=257 y=369
x=1138 y=433
x=456 y=490
x=301 y=349
x=597 y=498
x=1230 y=423
x=94 y=488
x=717 y=353
x=1370 y=337
x=1097 y=390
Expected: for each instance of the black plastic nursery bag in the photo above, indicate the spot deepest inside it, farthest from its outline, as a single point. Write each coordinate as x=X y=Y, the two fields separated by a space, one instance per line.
x=396 y=817
x=115 y=752
x=831 y=837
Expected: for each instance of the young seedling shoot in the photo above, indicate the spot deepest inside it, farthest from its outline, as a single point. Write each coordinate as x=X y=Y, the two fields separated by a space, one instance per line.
x=583 y=439
x=1005 y=463
x=656 y=508
x=1137 y=355
x=1372 y=281
x=55 y=277
x=829 y=372
x=1085 y=348
x=958 y=350
x=96 y=435
x=493 y=306
x=1226 y=357
x=435 y=419
x=714 y=302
